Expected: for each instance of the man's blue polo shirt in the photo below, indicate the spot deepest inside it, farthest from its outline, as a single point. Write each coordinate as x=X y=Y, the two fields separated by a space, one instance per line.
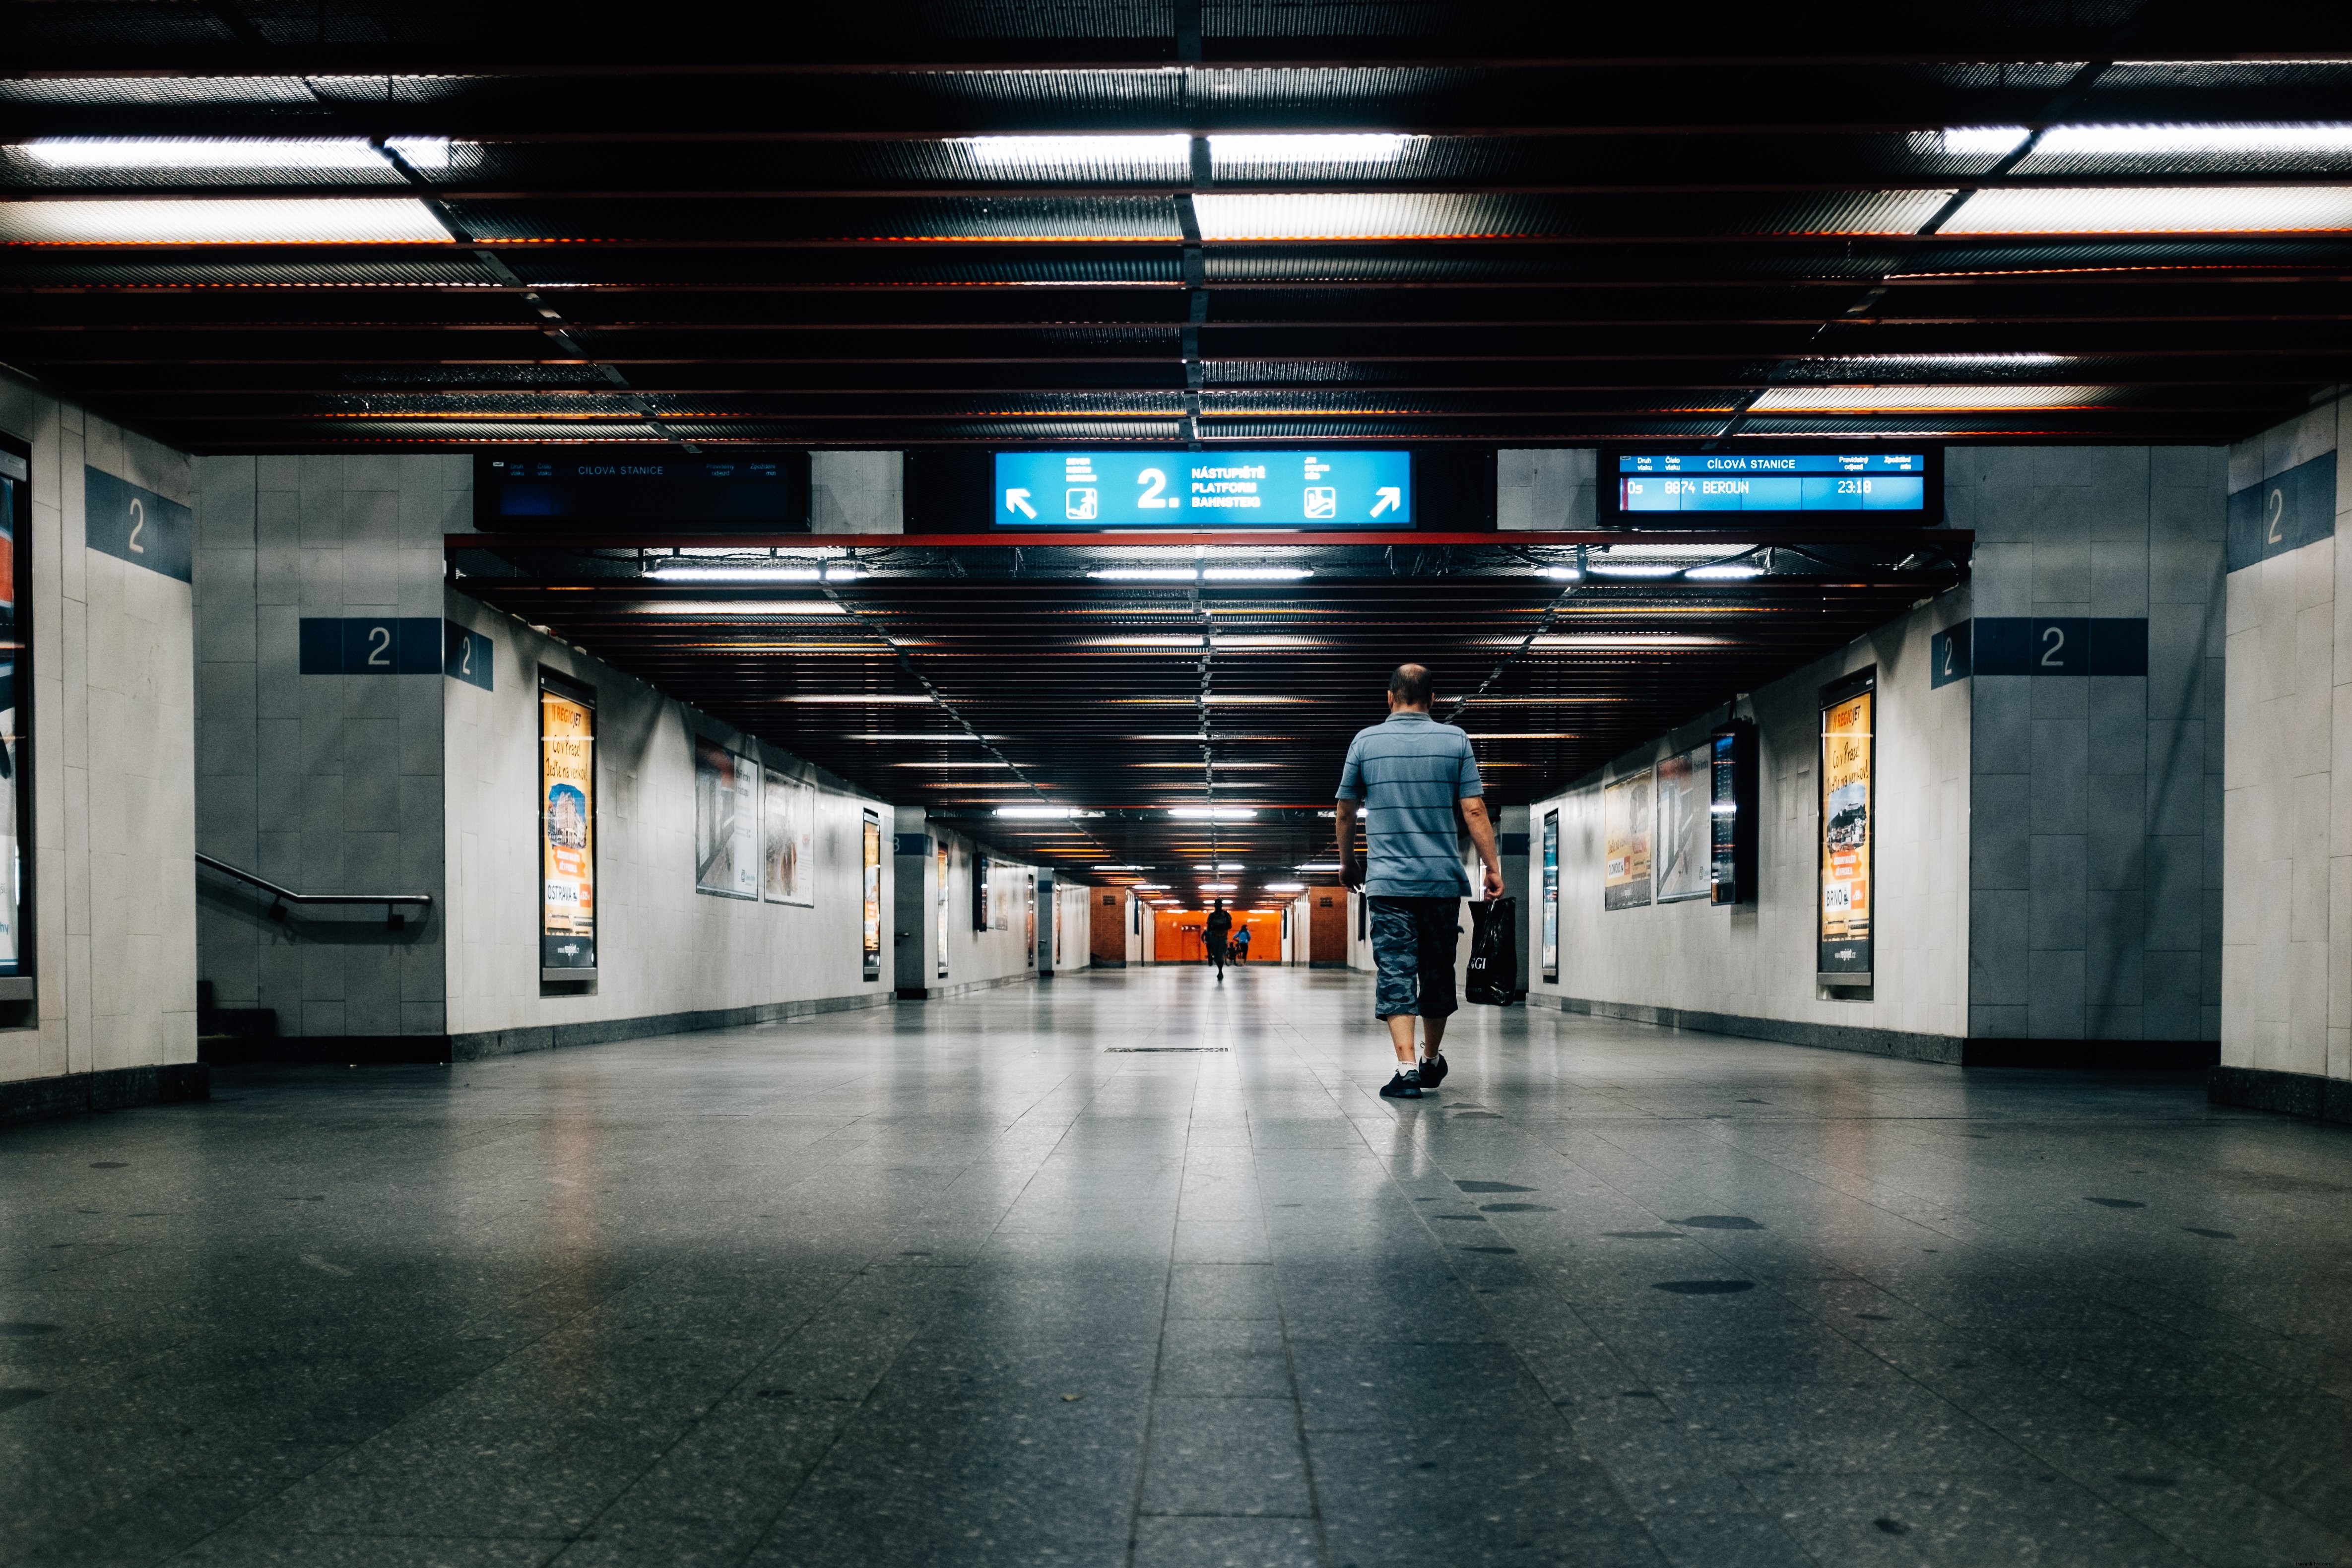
x=1409 y=772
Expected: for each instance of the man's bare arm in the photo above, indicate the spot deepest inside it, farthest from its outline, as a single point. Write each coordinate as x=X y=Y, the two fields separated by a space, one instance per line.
x=1351 y=875
x=1482 y=834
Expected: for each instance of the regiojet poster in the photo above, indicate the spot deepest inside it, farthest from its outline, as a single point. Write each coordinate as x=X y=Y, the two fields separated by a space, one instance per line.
x=1847 y=712
x=567 y=778
x=1625 y=841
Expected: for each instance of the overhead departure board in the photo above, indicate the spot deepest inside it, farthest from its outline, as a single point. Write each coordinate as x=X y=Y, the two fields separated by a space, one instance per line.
x=1214 y=490
x=1822 y=480
x=539 y=487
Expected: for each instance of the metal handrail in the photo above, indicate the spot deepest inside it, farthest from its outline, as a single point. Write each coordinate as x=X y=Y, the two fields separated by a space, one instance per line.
x=284 y=895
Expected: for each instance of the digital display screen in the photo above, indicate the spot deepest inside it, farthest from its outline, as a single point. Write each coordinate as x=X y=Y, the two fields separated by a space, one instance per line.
x=534 y=487
x=1216 y=489
x=1815 y=481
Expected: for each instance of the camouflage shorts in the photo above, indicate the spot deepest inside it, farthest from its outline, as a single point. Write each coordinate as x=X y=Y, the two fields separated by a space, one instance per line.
x=1415 y=941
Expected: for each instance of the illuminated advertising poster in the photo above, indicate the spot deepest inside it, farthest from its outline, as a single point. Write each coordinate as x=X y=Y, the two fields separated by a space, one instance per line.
x=873 y=886
x=1625 y=841
x=787 y=840
x=1847 y=756
x=1685 y=845
x=943 y=910
x=1551 y=897
x=726 y=823
x=15 y=692
x=567 y=808
x=1029 y=925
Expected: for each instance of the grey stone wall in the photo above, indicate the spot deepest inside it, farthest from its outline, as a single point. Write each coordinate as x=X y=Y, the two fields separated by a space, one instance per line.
x=321 y=783
x=2096 y=812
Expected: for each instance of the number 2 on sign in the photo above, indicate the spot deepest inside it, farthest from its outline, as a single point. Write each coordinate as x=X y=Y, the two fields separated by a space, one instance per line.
x=2057 y=637
x=379 y=645
x=137 y=521
x=2278 y=514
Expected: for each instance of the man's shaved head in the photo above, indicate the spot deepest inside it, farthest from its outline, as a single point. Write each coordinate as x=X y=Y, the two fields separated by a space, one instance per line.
x=1411 y=684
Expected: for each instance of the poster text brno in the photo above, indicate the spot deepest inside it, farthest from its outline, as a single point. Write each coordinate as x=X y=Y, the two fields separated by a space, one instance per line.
x=1848 y=709
x=1625 y=841
x=567 y=804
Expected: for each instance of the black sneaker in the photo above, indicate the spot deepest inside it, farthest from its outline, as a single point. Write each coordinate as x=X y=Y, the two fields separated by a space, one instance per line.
x=1401 y=1088
x=1433 y=1071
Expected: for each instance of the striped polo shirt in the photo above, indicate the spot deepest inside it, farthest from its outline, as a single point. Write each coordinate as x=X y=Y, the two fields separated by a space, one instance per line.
x=1409 y=772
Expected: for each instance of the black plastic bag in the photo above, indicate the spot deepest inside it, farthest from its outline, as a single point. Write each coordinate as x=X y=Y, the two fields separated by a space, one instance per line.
x=1494 y=979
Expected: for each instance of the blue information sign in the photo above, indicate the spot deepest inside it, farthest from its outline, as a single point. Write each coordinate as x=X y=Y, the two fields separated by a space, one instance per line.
x=1772 y=481
x=1203 y=489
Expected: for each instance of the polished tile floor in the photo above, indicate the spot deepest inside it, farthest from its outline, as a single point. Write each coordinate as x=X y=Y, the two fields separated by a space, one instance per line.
x=1131 y=1270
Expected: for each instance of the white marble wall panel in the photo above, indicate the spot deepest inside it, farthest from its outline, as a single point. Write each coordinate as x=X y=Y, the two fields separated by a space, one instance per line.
x=1758 y=959
x=1544 y=488
x=114 y=747
x=2286 y=918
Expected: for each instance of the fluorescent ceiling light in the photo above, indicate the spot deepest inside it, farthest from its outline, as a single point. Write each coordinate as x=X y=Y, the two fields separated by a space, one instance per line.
x=1120 y=867
x=1899 y=399
x=1340 y=147
x=1285 y=887
x=328 y=220
x=1222 y=866
x=1319 y=866
x=1725 y=572
x=1627 y=642
x=960 y=765
x=1212 y=814
x=1144 y=642
x=765 y=608
x=1564 y=573
x=233 y=153
x=1219 y=887
x=1213 y=697
x=1044 y=813
x=1962 y=360
x=1256 y=574
x=1150 y=888
x=1146 y=574
x=853 y=697
x=996 y=151
x=1508 y=735
x=920 y=735
x=2142 y=141
x=844 y=573
x=1982 y=141
x=1362 y=215
x=2157 y=209
x=1633 y=569
x=733 y=573
x=1663 y=551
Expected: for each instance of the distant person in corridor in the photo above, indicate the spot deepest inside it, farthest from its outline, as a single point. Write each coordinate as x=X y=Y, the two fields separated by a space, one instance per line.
x=1240 y=945
x=1219 y=932
x=1411 y=775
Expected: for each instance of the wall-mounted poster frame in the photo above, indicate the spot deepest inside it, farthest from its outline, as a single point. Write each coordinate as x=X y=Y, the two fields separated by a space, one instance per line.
x=1029 y=926
x=871 y=883
x=726 y=822
x=787 y=839
x=1551 y=897
x=1682 y=852
x=16 y=972
x=946 y=861
x=981 y=867
x=1731 y=875
x=1625 y=827
x=567 y=830
x=1848 y=806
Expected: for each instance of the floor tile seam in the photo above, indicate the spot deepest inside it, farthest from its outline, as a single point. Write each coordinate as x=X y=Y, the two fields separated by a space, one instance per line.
x=1282 y=1319
x=1134 y=1514
x=1980 y=1231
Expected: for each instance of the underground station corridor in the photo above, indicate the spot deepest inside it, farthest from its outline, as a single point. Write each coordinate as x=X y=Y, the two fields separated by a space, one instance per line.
x=1175 y=783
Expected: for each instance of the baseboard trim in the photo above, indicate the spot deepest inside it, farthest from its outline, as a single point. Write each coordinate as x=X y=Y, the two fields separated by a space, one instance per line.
x=2303 y=1094
x=2105 y=1055
x=117 y=1089
x=943 y=992
x=1945 y=1049
x=1099 y=962
x=490 y=1043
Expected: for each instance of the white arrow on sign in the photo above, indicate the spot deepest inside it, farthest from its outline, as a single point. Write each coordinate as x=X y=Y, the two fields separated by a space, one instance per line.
x=1391 y=499
x=1018 y=500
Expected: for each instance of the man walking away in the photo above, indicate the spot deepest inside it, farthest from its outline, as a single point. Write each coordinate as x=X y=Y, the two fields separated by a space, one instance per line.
x=1409 y=773
x=1219 y=932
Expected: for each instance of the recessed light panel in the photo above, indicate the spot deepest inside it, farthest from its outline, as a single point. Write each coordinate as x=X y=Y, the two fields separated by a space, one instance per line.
x=329 y=220
x=2159 y=209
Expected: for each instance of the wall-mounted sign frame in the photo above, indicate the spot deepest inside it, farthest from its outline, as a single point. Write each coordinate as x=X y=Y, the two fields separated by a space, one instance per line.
x=946 y=862
x=16 y=907
x=787 y=840
x=726 y=822
x=1125 y=489
x=567 y=830
x=1683 y=849
x=1849 y=806
x=1625 y=824
x=870 y=838
x=1731 y=877
x=1550 y=954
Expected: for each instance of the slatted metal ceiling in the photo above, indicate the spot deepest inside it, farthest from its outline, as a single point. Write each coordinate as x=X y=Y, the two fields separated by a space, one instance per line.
x=685 y=225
